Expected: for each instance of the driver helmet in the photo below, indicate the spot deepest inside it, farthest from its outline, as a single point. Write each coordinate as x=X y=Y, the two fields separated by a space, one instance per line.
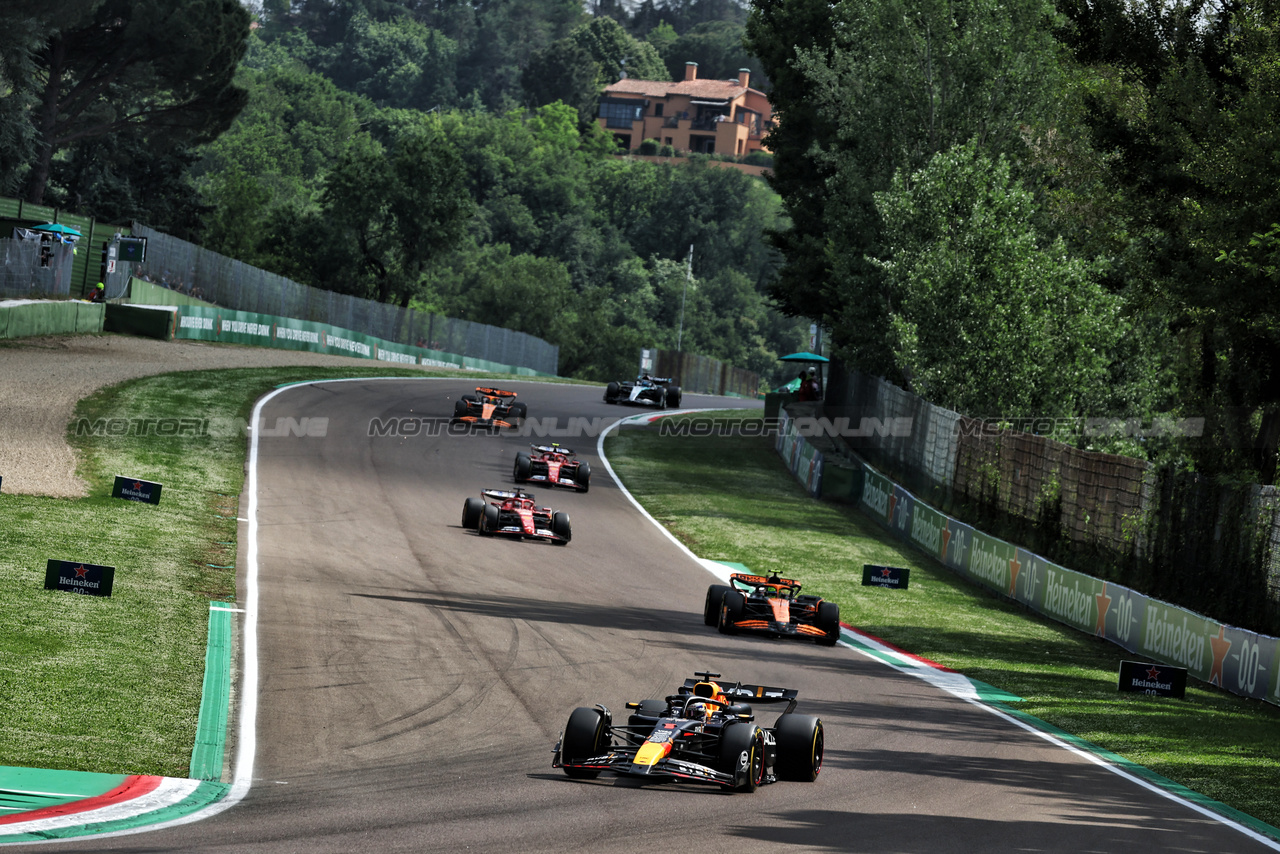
x=699 y=710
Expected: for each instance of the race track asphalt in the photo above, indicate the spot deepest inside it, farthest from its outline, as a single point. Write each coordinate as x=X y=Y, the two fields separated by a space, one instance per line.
x=414 y=678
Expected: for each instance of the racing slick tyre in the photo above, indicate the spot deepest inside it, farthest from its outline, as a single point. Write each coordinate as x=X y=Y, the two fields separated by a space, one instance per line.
x=715 y=596
x=732 y=608
x=523 y=468
x=584 y=737
x=742 y=755
x=517 y=414
x=472 y=509
x=560 y=527
x=582 y=477
x=489 y=520
x=800 y=745
x=673 y=396
x=661 y=399
x=611 y=392
x=460 y=409
x=648 y=713
x=829 y=622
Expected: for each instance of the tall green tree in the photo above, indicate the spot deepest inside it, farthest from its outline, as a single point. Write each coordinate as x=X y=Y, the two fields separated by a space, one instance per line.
x=165 y=67
x=984 y=317
x=24 y=29
x=1183 y=101
x=718 y=49
x=397 y=63
x=401 y=209
x=872 y=88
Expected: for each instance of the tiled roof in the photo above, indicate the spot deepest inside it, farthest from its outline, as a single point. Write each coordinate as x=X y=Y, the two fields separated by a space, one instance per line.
x=711 y=90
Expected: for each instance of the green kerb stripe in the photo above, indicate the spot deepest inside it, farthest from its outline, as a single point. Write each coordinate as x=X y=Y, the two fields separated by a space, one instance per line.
x=204 y=795
x=211 y=730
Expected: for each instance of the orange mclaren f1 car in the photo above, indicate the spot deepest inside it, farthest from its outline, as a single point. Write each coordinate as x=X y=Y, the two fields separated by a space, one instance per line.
x=489 y=407
x=771 y=606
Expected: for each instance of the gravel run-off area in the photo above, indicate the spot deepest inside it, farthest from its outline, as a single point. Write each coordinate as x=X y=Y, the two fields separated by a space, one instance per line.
x=42 y=379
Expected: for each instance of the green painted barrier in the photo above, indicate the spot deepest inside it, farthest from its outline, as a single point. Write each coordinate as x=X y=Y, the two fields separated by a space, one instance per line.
x=147 y=321
x=841 y=483
x=146 y=293
x=31 y=318
x=210 y=323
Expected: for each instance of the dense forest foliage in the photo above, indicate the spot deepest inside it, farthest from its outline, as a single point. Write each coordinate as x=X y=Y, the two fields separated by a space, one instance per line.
x=441 y=156
x=1024 y=209
x=1038 y=208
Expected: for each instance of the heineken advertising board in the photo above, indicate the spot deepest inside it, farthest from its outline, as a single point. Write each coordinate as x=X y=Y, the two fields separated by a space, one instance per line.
x=885 y=576
x=136 y=489
x=1159 y=680
x=86 y=578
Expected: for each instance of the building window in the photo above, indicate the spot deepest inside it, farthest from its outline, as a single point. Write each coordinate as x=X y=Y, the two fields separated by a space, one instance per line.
x=620 y=115
x=657 y=109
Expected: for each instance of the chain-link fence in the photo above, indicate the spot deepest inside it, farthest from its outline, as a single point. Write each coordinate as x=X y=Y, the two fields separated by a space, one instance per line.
x=214 y=278
x=35 y=269
x=1171 y=534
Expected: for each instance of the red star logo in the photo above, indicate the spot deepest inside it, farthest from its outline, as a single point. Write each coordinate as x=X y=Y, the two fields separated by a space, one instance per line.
x=137 y=485
x=81 y=572
x=1153 y=672
x=1221 y=646
x=885 y=572
x=1104 y=605
x=1014 y=568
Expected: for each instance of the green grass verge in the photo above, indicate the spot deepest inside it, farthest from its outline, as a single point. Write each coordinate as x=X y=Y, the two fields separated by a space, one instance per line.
x=731 y=498
x=113 y=684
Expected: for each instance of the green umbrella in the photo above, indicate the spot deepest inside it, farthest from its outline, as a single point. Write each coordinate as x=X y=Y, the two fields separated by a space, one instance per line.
x=803 y=357
x=58 y=227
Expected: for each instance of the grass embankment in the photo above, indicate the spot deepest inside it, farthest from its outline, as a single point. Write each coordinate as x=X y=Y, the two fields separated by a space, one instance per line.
x=113 y=684
x=731 y=498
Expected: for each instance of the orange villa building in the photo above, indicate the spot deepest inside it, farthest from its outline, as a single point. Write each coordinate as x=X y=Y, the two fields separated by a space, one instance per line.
x=702 y=116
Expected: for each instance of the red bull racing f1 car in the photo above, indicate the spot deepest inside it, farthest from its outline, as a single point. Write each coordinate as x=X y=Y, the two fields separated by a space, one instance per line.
x=553 y=465
x=771 y=606
x=514 y=514
x=704 y=733
x=489 y=407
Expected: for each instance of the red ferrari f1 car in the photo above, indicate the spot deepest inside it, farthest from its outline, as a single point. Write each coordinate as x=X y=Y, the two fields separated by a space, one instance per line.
x=489 y=407
x=553 y=465
x=771 y=606
x=514 y=514
x=704 y=733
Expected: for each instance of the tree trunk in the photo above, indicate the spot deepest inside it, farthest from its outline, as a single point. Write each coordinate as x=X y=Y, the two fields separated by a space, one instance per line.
x=1265 y=446
x=46 y=120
